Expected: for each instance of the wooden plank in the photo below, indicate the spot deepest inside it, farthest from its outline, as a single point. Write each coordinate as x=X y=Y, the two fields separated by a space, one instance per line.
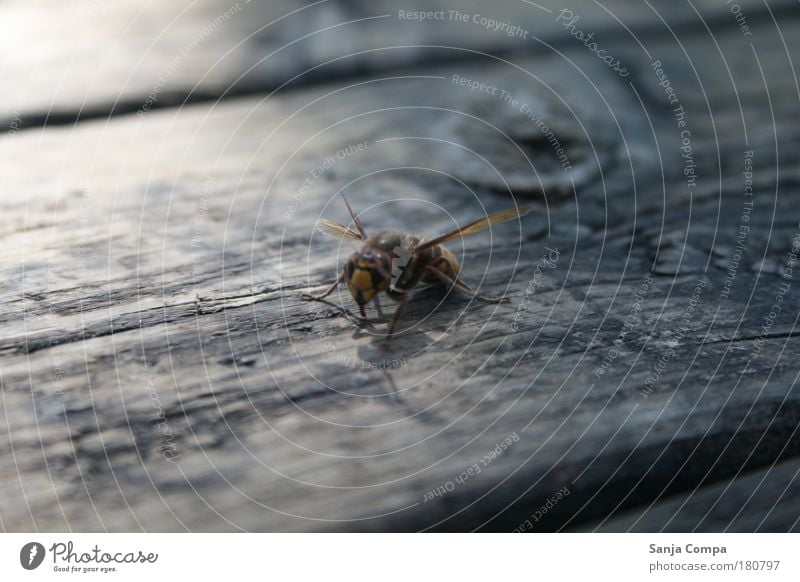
x=160 y=372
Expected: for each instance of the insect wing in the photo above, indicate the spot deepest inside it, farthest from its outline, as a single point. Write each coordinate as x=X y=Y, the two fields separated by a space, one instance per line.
x=338 y=230
x=477 y=226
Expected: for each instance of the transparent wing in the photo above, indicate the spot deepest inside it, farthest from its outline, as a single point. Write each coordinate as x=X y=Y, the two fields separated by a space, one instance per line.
x=338 y=230
x=477 y=226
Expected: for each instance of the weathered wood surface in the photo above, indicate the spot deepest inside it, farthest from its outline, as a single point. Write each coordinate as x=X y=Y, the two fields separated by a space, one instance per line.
x=159 y=371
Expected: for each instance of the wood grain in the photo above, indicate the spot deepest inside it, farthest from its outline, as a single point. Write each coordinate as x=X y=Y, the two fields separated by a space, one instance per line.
x=160 y=371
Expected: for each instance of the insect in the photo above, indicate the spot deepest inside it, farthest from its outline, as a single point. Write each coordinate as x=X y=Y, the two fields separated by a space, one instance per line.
x=395 y=262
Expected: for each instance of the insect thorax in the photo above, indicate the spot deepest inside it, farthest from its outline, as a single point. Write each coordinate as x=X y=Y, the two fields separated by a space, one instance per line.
x=389 y=240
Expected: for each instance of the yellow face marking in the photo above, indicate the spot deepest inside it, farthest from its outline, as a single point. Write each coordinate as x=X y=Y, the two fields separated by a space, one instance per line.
x=361 y=280
x=360 y=284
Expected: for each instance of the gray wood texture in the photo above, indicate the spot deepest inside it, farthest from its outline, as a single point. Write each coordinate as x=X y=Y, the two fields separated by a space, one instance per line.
x=160 y=372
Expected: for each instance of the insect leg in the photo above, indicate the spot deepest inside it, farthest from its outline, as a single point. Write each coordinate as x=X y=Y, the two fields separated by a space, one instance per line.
x=462 y=287
x=328 y=291
x=403 y=299
x=378 y=306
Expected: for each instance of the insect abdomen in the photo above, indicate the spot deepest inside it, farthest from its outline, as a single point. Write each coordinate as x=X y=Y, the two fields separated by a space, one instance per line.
x=446 y=262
